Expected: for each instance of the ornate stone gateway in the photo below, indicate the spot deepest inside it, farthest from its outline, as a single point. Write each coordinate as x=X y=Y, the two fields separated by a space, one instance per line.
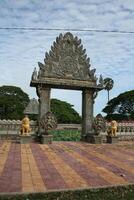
x=67 y=66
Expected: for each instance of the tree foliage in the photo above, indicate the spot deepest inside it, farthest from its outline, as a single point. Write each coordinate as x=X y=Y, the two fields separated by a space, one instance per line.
x=12 y=102
x=108 y=85
x=121 y=107
x=64 y=112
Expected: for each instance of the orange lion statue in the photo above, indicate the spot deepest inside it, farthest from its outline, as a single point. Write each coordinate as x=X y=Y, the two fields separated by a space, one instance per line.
x=25 y=126
x=113 y=128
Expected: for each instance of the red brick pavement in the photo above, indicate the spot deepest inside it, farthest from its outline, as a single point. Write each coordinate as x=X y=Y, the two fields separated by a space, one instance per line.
x=62 y=165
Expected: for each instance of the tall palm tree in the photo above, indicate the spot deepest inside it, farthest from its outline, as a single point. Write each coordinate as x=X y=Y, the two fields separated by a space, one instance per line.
x=108 y=85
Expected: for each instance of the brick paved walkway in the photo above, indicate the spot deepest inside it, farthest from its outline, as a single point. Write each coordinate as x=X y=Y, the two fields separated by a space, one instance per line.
x=37 y=168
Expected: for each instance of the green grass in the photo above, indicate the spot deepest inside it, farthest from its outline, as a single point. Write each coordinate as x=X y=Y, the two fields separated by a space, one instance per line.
x=66 y=135
x=102 y=193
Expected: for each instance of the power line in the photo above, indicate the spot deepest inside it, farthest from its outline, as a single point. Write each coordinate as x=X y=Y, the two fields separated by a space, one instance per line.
x=66 y=29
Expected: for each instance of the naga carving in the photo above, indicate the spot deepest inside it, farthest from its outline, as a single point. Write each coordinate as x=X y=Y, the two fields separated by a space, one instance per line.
x=99 y=124
x=47 y=122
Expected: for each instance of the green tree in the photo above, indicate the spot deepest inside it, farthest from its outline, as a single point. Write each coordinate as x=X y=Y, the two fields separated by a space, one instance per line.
x=64 y=112
x=108 y=85
x=12 y=102
x=121 y=107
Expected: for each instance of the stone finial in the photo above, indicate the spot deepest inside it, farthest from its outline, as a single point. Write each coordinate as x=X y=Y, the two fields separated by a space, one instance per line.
x=101 y=81
x=34 y=74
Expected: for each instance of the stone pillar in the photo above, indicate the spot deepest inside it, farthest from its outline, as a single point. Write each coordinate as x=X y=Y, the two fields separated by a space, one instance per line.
x=44 y=99
x=87 y=112
x=44 y=102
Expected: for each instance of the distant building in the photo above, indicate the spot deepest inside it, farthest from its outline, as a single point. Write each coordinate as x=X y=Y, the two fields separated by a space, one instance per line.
x=32 y=107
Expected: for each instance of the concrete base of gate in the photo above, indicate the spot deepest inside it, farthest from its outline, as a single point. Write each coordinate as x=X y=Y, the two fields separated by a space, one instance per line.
x=93 y=139
x=46 y=139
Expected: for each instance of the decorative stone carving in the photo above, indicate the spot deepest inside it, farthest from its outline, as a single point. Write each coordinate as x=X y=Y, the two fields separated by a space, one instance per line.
x=38 y=90
x=34 y=74
x=101 y=82
x=99 y=124
x=47 y=122
x=67 y=59
x=95 y=94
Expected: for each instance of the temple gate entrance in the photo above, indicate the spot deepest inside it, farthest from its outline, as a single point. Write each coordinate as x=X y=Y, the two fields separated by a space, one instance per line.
x=67 y=66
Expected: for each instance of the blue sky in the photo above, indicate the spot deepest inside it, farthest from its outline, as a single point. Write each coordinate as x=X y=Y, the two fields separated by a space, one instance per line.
x=112 y=54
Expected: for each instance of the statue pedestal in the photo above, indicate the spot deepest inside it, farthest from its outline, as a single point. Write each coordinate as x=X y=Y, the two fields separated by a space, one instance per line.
x=94 y=139
x=112 y=139
x=46 y=139
x=25 y=139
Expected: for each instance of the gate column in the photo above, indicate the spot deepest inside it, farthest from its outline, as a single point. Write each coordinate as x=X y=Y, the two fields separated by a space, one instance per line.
x=87 y=112
x=44 y=100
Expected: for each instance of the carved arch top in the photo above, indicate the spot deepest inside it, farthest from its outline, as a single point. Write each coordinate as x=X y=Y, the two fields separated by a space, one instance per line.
x=67 y=59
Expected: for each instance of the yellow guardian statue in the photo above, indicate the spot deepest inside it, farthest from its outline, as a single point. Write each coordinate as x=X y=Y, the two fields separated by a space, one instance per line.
x=113 y=128
x=25 y=126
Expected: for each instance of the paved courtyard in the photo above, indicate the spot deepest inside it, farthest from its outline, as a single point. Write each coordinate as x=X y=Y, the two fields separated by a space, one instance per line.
x=64 y=165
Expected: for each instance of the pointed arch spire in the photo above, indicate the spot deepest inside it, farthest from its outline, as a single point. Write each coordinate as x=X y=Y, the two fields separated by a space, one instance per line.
x=67 y=59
